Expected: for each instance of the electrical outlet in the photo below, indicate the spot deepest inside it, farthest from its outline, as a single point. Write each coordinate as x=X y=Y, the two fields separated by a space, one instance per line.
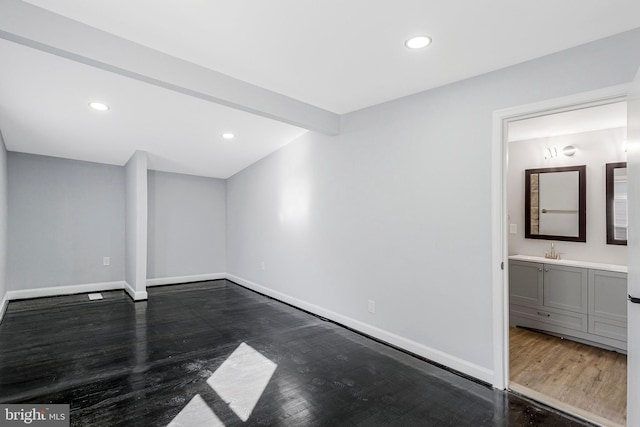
x=372 y=306
x=263 y=266
x=106 y=261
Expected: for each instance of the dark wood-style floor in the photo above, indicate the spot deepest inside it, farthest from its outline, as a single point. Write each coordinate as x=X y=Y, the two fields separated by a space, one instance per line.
x=150 y=363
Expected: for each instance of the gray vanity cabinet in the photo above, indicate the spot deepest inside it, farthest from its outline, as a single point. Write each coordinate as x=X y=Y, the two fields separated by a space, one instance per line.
x=548 y=297
x=583 y=303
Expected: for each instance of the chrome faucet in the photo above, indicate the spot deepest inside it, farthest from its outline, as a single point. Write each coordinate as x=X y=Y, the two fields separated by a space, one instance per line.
x=553 y=254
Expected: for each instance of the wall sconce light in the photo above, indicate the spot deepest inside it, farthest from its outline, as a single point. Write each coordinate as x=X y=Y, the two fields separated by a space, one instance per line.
x=550 y=152
x=569 y=150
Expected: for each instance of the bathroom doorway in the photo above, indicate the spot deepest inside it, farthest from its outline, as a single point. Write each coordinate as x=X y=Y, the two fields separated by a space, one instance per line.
x=567 y=282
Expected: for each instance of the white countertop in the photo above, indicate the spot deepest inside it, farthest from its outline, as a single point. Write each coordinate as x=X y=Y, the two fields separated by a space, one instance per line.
x=571 y=263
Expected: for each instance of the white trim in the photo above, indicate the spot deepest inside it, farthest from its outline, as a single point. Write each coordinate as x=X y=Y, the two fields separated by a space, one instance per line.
x=3 y=306
x=185 y=279
x=499 y=247
x=437 y=356
x=499 y=244
x=135 y=295
x=633 y=251
x=565 y=103
x=53 y=291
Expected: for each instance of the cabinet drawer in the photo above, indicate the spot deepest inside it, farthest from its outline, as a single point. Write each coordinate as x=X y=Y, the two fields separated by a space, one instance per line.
x=541 y=318
x=608 y=328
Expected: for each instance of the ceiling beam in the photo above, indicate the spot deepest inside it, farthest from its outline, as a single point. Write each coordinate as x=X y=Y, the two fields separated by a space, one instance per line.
x=49 y=32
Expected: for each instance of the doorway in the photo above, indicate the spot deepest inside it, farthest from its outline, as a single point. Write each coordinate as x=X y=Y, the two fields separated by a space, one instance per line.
x=567 y=283
x=504 y=226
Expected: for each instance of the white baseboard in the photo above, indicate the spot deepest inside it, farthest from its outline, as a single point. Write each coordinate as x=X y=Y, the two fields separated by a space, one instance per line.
x=135 y=295
x=3 y=306
x=53 y=291
x=185 y=279
x=437 y=356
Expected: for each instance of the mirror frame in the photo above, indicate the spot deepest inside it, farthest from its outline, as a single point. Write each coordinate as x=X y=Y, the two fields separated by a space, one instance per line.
x=582 y=204
x=610 y=167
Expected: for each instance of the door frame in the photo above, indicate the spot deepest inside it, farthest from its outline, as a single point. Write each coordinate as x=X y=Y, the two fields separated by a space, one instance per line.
x=499 y=226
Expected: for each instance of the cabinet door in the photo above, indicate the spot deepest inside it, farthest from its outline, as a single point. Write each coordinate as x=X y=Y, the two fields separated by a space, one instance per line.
x=525 y=283
x=608 y=295
x=565 y=288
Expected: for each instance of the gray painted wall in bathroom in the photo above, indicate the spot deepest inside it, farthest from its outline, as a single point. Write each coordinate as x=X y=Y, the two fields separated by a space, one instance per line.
x=594 y=149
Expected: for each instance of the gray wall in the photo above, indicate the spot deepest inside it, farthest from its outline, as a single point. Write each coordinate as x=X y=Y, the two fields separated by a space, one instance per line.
x=187 y=222
x=595 y=149
x=64 y=217
x=397 y=208
x=3 y=219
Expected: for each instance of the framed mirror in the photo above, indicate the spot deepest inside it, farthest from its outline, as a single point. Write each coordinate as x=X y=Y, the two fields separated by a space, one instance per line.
x=616 y=174
x=555 y=203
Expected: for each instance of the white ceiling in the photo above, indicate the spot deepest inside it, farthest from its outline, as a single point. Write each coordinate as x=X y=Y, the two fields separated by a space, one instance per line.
x=44 y=110
x=334 y=54
x=346 y=55
x=608 y=116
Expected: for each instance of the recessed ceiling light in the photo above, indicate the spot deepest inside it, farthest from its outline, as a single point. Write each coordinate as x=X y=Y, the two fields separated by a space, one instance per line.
x=418 y=42
x=99 y=106
x=228 y=135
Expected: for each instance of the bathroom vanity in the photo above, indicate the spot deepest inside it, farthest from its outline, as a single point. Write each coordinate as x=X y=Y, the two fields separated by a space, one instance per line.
x=577 y=300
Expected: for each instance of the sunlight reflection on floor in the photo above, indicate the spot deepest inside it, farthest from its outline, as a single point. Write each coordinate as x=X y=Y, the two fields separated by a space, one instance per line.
x=196 y=413
x=239 y=381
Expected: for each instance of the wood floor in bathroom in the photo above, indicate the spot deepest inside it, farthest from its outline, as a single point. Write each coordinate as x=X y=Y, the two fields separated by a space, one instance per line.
x=578 y=376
